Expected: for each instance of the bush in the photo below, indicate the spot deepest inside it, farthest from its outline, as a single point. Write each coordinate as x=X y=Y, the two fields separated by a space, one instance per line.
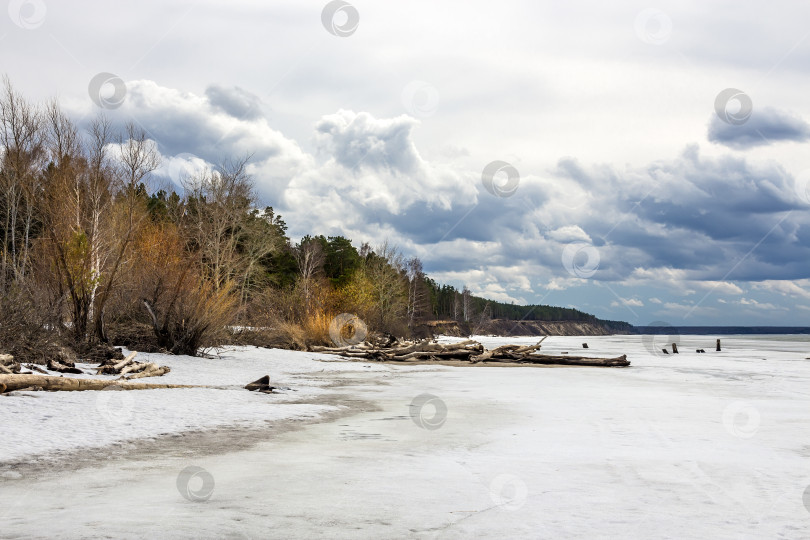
x=28 y=330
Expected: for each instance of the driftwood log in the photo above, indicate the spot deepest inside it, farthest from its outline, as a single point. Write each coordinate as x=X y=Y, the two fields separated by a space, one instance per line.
x=10 y=383
x=59 y=367
x=469 y=350
x=8 y=365
x=128 y=368
x=567 y=360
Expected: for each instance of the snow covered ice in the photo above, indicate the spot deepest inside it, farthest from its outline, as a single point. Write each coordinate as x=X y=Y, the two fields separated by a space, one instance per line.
x=677 y=446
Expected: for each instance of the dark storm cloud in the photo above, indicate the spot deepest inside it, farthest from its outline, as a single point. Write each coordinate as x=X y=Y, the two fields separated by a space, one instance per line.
x=235 y=101
x=722 y=198
x=485 y=221
x=765 y=127
x=704 y=215
x=698 y=214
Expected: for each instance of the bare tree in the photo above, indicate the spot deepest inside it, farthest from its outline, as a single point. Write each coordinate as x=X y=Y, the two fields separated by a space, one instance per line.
x=138 y=158
x=385 y=270
x=483 y=319
x=466 y=303
x=218 y=202
x=72 y=200
x=310 y=258
x=92 y=208
x=418 y=296
x=22 y=140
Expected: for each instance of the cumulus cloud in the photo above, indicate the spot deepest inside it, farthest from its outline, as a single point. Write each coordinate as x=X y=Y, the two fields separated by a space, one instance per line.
x=720 y=287
x=683 y=226
x=374 y=177
x=786 y=288
x=764 y=127
x=213 y=127
x=759 y=305
x=629 y=302
x=181 y=167
x=493 y=284
x=359 y=140
x=569 y=233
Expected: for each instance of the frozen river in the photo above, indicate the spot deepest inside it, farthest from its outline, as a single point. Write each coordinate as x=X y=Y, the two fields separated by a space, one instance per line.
x=713 y=445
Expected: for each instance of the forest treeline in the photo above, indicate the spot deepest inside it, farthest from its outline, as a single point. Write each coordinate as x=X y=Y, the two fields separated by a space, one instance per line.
x=93 y=253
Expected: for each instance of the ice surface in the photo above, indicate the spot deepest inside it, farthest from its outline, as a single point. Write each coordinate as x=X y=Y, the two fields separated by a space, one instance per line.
x=681 y=446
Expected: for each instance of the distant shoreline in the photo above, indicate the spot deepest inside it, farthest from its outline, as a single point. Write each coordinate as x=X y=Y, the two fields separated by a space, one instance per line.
x=720 y=330
x=510 y=328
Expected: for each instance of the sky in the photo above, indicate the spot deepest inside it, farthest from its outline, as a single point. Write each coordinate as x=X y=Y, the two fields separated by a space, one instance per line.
x=641 y=161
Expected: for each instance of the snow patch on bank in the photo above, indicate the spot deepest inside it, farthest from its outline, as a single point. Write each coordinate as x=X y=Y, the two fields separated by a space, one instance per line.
x=40 y=423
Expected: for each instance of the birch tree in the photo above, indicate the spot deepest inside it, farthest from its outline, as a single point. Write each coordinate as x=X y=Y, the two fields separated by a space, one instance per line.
x=22 y=140
x=310 y=257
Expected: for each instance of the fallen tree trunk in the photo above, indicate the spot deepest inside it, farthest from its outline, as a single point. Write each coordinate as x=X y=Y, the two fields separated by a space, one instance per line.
x=34 y=367
x=565 y=360
x=55 y=365
x=136 y=367
x=11 y=383
x=154 y=371
x=126 y=361
x=359 y=347
x=450 y=353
